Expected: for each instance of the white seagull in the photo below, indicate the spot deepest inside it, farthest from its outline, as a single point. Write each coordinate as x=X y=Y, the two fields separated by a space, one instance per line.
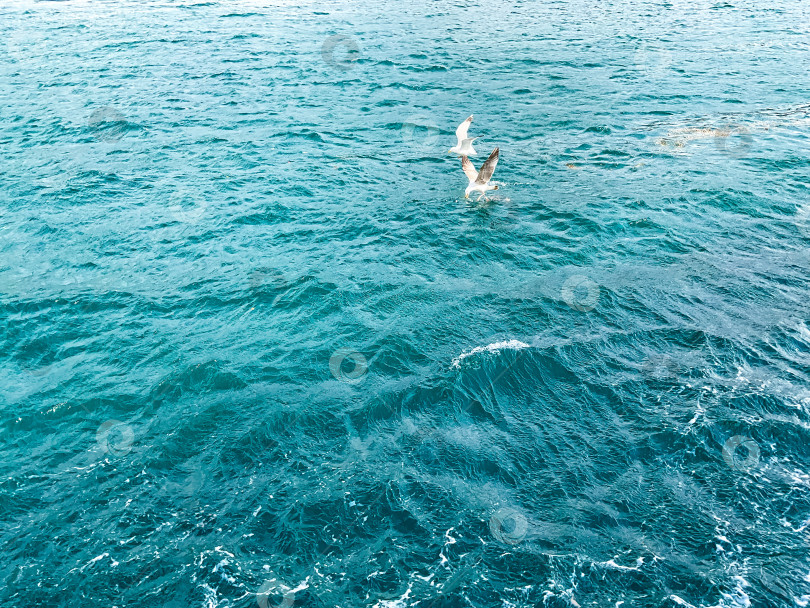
x=479 y=180
x=464 y=145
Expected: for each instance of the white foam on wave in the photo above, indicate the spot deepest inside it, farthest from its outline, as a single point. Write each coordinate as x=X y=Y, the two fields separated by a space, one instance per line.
x=804 y=331
x=611 y=563
x=494 y=348
x=738 y=598
x=401 y=602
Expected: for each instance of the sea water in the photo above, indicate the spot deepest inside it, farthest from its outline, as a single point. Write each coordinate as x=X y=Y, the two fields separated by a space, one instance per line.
x=259 y=350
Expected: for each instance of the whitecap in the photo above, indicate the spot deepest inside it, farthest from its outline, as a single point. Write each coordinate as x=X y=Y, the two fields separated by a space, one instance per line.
x=738 y=598
x=401 y=602
x=681 y=601
x=494 y=348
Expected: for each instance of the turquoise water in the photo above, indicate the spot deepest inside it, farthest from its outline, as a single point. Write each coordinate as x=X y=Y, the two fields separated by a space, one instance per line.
x=259 y=350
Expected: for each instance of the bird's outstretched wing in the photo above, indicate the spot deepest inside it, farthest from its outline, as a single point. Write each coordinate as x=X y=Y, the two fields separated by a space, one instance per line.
x=469 y=170
x=488 y=168
x=461 y=132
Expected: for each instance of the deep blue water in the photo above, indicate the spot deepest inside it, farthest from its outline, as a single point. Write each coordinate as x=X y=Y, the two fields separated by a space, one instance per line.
x=259 y=350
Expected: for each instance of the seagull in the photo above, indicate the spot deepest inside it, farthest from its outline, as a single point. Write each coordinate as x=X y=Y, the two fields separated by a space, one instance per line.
x=479 y=180
x=464 y=145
